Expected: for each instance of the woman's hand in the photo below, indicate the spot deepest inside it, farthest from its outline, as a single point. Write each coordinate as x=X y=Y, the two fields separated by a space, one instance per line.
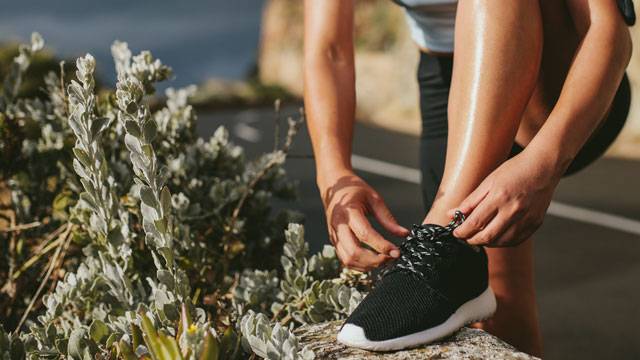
x=510 y=204
x=347 y=201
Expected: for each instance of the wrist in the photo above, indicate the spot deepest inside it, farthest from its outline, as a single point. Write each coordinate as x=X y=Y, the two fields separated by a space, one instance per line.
x=550 y=161
x=327 y=176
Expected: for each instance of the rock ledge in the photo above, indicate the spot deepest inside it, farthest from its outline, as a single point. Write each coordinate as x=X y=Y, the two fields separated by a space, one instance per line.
x=465 y=344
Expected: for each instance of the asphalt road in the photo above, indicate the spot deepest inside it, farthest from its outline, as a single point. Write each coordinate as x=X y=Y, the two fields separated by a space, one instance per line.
x=587 y=274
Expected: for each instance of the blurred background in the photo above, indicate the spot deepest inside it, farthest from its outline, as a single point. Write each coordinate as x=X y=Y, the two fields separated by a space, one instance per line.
x=244 y=54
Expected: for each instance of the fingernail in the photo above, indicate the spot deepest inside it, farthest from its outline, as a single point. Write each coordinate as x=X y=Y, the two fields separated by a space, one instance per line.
x=395 y=253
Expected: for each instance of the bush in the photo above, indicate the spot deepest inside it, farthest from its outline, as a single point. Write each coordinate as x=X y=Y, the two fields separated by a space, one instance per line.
x=149 y=233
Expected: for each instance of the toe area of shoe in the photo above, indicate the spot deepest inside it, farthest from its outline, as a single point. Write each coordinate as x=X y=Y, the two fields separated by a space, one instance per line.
x=352 y=335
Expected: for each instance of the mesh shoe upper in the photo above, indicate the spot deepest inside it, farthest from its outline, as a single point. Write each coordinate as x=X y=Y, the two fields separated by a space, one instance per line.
x=435 y=274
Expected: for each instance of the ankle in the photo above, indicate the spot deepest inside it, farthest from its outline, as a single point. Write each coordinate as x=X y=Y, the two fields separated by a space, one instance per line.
x=437 y=215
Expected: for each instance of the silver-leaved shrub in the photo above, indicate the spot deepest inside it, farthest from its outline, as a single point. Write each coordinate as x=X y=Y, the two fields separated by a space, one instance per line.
x=269 y=341
x=309 y=291
x=154 y=231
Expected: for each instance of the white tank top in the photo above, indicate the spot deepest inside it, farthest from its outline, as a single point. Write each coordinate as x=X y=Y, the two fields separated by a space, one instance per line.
x=431 y=22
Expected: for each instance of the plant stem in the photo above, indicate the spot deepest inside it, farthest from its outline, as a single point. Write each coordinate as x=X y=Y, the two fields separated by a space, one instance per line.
x=273 y=162
x=64 y=237
x=20 y=227
x=40 y=251
x=35 y=258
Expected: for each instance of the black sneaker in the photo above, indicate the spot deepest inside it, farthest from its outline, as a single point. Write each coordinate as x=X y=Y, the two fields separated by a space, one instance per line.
x=438 y=285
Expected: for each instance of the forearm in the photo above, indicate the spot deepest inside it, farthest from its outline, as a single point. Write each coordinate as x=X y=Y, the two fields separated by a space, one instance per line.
x=586 y=96
x=329 y=90
x=330 y=101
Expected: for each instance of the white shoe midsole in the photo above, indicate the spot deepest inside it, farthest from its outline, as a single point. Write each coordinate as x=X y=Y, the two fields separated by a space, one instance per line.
x=473 y=310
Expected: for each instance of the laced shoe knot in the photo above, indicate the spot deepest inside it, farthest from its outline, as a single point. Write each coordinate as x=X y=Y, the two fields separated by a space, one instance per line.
x=425 y=246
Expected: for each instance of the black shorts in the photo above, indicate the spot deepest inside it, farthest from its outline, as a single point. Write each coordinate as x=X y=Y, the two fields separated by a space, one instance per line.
x=434 y=78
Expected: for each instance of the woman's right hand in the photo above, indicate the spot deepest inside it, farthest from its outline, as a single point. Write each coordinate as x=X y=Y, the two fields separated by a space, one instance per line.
x=329 y=101
x=347 y=201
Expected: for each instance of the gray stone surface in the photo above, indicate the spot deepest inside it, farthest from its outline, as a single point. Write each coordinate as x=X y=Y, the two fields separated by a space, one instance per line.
x=465 y=344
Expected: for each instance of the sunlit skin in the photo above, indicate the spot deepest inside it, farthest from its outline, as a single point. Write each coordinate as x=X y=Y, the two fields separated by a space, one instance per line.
x=540 y=73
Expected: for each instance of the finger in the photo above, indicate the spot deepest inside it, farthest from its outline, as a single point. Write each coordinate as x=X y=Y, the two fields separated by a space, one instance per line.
x=507 y=238
x=332 y=235
x=494 y=229
x=513 y=236
x=353 y=255
x=385 y=218
x=472 y=200
x=477 y=220
x=342 y=254
x=363 y=230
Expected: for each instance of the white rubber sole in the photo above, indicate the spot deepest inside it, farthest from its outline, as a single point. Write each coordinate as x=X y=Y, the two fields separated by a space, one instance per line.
x=480 y=308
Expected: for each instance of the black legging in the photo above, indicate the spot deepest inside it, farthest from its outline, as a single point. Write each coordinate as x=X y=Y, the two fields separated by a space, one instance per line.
x=434 y=78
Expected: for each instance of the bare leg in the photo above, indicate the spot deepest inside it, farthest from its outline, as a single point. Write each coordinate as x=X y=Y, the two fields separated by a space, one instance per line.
x=496 y=61
x=496 y=66
x=511 y=278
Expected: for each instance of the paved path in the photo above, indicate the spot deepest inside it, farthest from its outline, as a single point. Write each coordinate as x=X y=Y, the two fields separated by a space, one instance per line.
x=587 y=251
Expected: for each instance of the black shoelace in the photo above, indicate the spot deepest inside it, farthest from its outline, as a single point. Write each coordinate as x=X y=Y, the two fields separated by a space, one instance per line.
x=425 y=245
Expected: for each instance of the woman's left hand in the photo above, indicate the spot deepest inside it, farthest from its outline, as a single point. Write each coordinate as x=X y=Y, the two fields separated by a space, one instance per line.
x=510 y=204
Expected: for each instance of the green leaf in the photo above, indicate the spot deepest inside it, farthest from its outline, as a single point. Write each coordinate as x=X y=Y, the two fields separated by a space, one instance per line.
x=229 y=343
x=131 y=107
x=89 y=200
x=136 y=336
x=211 y=349
x=111 y=340
x=98 y=125
x=60 y=205
x=75 y=91
x=150 y=130
x=165 y=277
x=167 y=254
x=80 y=170
x=165 y=200
x=133 y=144
x=98 y=331
x=151 y=338
x=170 y=348
x=88 y=186
x=161 y=225
x=148 y=197
x=82 y=156
x=115 y=237
x=125 y=351
x=132 y=128
x=77 y=344
x=149 y=214
x=75 y=125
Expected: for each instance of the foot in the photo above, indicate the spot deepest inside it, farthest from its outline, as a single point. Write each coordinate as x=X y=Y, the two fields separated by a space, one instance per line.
x=438 y=285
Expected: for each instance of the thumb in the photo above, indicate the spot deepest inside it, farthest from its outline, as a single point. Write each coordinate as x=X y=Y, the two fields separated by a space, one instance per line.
x=384 y=216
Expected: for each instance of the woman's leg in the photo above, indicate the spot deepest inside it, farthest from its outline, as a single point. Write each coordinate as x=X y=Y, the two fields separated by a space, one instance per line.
x=512 y=280
x=498 y=46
